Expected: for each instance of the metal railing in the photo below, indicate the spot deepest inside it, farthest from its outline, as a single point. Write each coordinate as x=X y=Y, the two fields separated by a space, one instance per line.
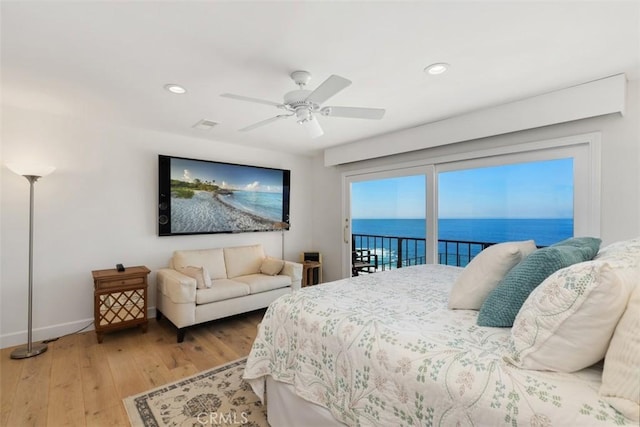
x=459 y=252
x=397 y=252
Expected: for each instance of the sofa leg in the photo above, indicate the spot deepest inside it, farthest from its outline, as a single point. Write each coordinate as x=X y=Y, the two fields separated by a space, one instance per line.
x=181 y=334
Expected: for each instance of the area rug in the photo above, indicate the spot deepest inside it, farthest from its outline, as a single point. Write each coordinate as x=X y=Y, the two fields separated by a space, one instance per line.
x=217 y=397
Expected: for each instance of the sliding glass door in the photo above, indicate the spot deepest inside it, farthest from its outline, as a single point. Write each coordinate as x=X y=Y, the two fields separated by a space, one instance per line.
x=385 y=226
x=450 y=208
x=480 y=206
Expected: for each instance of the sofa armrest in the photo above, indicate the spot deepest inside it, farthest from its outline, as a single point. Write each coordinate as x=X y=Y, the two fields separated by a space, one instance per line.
x=178 y=287
x=293 y=270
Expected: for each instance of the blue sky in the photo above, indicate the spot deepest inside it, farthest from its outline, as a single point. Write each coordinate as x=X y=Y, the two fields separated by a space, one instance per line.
x=389 y=198
x=525 y=190
x=227 y=175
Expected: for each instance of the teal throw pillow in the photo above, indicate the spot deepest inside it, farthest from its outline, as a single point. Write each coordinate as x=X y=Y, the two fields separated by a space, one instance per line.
x=504 y=302
x=592 y=243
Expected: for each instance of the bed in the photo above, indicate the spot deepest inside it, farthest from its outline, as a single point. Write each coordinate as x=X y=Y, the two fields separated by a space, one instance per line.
x=384 y=349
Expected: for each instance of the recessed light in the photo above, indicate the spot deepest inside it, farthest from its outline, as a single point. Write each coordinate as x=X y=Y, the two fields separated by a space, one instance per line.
x=174 y=88
x=438 y=68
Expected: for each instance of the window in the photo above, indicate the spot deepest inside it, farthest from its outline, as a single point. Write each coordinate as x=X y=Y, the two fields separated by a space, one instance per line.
x=388 y=223
x=494 y=204
x=545 y=190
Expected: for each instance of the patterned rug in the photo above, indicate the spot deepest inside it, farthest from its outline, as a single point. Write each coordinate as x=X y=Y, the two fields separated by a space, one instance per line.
x=217 y=397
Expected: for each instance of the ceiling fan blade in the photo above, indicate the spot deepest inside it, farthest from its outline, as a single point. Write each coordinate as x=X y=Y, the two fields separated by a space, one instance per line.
x=246 y=98
x=327 y=89
x=354 y=112
x=313 y=127
x=265 y=122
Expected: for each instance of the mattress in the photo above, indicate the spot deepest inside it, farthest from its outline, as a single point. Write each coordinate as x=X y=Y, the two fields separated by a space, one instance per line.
x=383 y=349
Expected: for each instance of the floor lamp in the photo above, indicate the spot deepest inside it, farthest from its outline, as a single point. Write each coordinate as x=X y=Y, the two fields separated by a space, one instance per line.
x=32 y=176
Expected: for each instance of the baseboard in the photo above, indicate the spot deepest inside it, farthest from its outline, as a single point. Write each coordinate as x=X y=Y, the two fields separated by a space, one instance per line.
x=54 y=331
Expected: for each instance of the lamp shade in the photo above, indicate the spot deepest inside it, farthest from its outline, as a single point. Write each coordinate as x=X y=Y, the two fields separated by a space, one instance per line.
x=30 y=169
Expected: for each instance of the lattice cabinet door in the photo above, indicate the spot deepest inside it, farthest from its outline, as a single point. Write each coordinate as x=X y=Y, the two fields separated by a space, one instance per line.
x=120 y=299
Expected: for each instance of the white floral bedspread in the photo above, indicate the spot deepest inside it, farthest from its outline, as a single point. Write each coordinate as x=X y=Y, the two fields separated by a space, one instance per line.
x=383 y=349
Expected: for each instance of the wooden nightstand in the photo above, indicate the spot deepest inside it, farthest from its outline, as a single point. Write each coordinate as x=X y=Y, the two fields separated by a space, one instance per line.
x=311 y=273
x=311 y=268
x=120 y=299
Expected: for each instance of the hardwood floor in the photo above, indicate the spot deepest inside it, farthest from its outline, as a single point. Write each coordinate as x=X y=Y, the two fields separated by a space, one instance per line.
x=79 y=382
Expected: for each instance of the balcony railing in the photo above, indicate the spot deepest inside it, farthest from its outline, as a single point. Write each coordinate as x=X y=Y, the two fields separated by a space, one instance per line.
x=396 y=252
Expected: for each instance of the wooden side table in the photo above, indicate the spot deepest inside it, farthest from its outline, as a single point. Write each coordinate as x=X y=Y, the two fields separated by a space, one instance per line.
x=120 y=299
x=309 y=269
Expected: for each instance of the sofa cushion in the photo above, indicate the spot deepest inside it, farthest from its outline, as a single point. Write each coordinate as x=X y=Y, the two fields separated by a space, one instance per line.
x=211 y=259
x=262 y=283
x=203 y=280
x=243 y=260
x=222 y=289
x=271 y=266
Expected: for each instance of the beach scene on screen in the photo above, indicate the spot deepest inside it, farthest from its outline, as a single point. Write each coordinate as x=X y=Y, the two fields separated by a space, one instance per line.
x=220 y=197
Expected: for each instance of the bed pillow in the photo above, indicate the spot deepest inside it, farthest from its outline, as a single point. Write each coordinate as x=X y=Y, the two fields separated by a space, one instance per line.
x=485 y=271
x=271 y=266
x=504 y=302
x=625 y=252
x=567 y=322
x=592 y=243
x=203 y=281
x=620 y=381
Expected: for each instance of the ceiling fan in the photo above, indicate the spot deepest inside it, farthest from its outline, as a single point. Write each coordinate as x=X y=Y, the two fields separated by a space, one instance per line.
x=305 y=104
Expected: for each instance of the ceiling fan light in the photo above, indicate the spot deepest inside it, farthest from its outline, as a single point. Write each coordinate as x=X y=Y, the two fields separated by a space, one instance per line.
x=304 y=104
x=313 y=127
x=303 y=115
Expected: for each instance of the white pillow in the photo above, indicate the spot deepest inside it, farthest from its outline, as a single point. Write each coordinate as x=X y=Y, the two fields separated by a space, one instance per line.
x=203 y=281
x=621 y=375
x=566 y=323
x=485 y=271
x=626 y=252
x=271 y=266
x=211 y=259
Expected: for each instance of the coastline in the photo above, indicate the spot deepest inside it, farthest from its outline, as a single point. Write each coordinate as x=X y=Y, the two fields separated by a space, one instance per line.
x=255 y=217
x=207 y=212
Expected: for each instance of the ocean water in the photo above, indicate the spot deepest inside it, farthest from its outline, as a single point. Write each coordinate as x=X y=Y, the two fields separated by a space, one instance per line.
x=264 y=205
x=543 y=231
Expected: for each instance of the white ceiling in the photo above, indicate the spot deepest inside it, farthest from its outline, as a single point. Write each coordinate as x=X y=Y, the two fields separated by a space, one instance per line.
x=110 y=60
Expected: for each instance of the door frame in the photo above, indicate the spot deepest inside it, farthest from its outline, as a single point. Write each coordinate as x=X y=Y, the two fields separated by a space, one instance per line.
x=360 y=176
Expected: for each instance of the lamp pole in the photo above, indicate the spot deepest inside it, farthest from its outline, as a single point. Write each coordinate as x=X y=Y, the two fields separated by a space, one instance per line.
x=281 y=226
x=31 y=349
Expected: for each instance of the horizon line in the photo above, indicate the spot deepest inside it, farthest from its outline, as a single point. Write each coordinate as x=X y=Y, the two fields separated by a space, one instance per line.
x=470 y=218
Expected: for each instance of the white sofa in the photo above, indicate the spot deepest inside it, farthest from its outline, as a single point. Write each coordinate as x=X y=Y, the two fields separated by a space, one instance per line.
x=209 y=284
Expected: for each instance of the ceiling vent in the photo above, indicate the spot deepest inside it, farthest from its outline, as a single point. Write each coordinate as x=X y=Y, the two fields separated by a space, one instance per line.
x=205 y=124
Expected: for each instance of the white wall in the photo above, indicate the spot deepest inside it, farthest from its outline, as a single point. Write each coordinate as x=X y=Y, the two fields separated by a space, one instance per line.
x=99 y=208
x=620 y=210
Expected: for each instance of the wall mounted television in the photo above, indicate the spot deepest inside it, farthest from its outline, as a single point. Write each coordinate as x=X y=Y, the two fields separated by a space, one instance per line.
x=206 y=197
